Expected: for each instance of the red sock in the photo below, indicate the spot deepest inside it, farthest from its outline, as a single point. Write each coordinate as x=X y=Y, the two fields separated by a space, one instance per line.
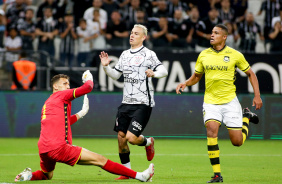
x=119 y=169
x=38 y=175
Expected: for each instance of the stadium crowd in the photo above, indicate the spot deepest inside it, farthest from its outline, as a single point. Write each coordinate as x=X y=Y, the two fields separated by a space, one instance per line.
x=85 y=26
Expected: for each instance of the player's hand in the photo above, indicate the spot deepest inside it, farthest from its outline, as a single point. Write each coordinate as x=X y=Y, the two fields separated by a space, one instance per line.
x=85 y=107
x=257 y=102
x=105 y=61
x=180 y=87
x=149 y=73
x=87 y=76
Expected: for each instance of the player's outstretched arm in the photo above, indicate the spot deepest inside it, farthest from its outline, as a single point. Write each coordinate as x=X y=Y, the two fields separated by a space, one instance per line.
x=85 y=108
x=105 y=61
x=194 y=79
x=257 y=102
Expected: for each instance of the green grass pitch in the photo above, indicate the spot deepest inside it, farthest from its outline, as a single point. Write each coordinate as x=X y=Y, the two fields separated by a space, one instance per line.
x=176 y=161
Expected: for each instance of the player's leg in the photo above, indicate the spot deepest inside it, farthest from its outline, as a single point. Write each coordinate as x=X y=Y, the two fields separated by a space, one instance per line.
x=248 y=117
x=91 y=158
x=121 y=126
x=124 y=152
x=139 y=121
x=47 y=165
x=212 y=119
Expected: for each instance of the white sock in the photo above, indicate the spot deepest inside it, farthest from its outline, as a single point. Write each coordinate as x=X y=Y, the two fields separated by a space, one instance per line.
x=128 y=165
x=148 y=142
x=139 y=176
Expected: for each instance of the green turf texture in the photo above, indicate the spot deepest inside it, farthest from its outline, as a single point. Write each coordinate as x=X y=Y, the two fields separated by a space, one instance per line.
x=176 y=161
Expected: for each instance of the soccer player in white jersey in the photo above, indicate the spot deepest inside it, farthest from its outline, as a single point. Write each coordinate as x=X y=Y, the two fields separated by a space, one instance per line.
x=138 y=65
x=221 y=105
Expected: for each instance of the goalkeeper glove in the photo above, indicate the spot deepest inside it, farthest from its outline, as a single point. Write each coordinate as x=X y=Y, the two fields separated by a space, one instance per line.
x=85 y=107
x=87 y=76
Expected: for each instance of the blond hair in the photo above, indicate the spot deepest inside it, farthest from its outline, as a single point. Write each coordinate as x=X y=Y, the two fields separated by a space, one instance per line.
x=145 y=30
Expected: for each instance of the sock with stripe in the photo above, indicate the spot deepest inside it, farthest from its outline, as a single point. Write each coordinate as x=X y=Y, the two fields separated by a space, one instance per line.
x=119 y=169
x=146 y=141
x=245 y=128
x=213 y=151
x=38 y=175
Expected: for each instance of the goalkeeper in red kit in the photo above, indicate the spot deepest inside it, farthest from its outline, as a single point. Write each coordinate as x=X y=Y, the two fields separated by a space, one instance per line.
x=55 y=142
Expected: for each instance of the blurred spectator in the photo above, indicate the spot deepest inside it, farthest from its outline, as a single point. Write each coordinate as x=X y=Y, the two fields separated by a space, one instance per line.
x=15 y=12
x=193 y=20
x=68 y=36
x=78 y=12
x=117 y=31
x=13 y=44
x=176 y=5
x=160 y=33
x=56 y=12
x=240 y=7
x=97 y=39
x=140 y=18
x=248 y=31
x=275 y=19
x=8 y=3
x=271 y=8
x=47 y=29
x=276 y=38
x=204 y=29
x=123 y=3
x=180 y=31
x=226 y=13
x=161 y=10
x=88 y=14
x=130 y=12
x=3 y=23
x=148 y=6
x=215 y=3
x=85 y=34
x=203 y=7
x=24 y=74
x=232 y=35
x=109 y=6
x=26 y=28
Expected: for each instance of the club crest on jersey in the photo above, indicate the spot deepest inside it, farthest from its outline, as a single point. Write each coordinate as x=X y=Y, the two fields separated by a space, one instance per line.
x=138 y=60
x=226 y=59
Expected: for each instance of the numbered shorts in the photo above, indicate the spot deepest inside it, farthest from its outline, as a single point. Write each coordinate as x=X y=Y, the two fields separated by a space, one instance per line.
x=132 y=117
x=230 y=114
x=67 y=154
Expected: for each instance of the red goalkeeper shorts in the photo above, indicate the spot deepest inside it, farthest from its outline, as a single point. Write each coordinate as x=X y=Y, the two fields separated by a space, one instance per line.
x=67 y=154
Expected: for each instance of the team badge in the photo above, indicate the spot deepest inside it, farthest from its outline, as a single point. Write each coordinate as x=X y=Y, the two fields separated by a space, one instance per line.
x=226 y=59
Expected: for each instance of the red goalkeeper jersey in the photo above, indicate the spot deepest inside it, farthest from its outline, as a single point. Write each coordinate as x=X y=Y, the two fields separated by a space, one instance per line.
x=56 y=118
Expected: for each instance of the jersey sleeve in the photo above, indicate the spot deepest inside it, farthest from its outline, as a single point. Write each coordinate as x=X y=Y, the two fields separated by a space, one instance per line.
x=199 y=68
x=118 y=66
x=242 y=64
x=155 y=62
x=71 y=94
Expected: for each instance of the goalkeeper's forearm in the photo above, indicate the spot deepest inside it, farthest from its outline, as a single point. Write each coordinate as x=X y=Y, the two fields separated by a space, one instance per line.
x=84 y=89
x=114 y=74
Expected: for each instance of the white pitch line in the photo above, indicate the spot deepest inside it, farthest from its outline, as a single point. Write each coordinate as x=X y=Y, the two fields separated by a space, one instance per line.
x=184 y=155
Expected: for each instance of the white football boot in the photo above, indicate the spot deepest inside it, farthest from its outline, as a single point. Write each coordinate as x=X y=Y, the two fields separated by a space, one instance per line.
x=25 y=175
x=148 y=173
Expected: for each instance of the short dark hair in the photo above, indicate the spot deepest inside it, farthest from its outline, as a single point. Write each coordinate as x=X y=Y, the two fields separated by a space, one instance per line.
x=23 y=54
x=223 y=27
x=57 y=77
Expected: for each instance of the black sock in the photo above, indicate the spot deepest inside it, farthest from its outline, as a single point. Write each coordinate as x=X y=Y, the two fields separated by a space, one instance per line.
x=144 y=143
x=124 y=157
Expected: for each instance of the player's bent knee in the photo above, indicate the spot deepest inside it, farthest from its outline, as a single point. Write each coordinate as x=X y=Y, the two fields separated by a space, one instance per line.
x=237 y=142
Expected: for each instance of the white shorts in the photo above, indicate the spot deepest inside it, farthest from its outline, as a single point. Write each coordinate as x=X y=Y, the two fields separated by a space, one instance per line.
x=230 y=114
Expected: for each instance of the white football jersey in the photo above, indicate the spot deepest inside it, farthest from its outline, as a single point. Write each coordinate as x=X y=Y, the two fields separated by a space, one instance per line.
x=138 y=88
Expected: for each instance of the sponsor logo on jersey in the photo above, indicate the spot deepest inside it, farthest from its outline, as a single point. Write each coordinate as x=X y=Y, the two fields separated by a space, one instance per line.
x=131 y=80
x=226 y=59
x=138 y=60
x=216 y=67
x=137 y=125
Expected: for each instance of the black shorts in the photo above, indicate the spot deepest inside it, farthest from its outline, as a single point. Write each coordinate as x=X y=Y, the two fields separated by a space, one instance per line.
x=132 y=117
